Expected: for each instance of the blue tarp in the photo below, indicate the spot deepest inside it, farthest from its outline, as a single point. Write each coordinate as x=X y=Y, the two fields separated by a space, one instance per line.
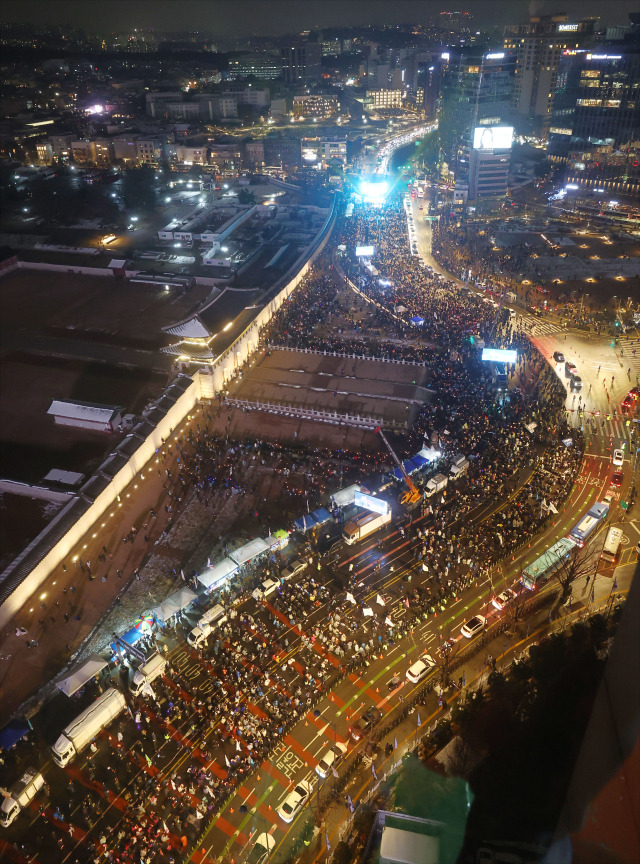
x=305 y=523
x=13 y=732
x=417 y=320
x=420 y=460
x=321 y=515
x=409 y=465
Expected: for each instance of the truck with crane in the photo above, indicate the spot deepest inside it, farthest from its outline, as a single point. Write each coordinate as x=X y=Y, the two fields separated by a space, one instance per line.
x=411 y=494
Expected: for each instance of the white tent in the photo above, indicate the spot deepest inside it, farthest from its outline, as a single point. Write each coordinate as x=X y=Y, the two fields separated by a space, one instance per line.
x=81 y=674
x=249 y=551
x=430 y=454
x=212 y=576
x=346 y=496
x=173 y=604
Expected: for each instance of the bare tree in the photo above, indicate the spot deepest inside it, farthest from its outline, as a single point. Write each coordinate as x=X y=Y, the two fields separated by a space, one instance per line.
x=582 y=564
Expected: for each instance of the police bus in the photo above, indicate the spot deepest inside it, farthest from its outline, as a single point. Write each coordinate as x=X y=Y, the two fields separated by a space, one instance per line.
x=581 y=532
x=612 y=544
x=548 y=563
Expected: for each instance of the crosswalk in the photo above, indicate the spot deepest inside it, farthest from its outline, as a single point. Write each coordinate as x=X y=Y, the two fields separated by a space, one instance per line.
x=598 y=425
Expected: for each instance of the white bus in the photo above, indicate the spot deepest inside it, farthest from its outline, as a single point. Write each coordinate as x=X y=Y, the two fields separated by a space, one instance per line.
x=612 y=545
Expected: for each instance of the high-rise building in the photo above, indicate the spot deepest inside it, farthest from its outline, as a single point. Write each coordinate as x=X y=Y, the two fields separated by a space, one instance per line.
x=597 y=104
x=476 y=91
x=262 y=66
x=301 y=62
x=428 y=84
x=538 y=46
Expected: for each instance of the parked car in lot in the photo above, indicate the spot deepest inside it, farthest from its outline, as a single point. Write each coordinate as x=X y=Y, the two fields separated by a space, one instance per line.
x=501 y=600
x=473 y=626
x=366 y=722
x=618 y=458
x=295 y=801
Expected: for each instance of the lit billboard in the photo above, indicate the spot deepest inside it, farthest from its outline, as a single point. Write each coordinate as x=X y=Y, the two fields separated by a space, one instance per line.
x=368 y=502
x=492 y=137
x=500 y=355
x=365 y=251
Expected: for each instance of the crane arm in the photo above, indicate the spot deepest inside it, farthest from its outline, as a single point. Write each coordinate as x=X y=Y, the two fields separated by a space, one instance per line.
x=412 y=486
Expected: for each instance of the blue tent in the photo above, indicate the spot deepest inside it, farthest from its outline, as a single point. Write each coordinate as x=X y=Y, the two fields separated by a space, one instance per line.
x=13 y=732
x=305 y=523
x=417 y=321
x=409 y=466
x=321 y=515
x=419 y=460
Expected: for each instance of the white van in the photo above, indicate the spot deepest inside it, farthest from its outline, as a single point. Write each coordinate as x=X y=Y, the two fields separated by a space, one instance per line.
x=20 y=794
x=420 y=669
x=266 y=589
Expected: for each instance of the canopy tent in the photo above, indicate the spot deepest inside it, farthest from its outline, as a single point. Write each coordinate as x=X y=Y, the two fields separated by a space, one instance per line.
x=409 y=466
x=346 y=496
x=305 y=523
x=81 y=674
x=417 y=321
x=430 y=454
x=173 y=604
x=321 y=515
x=277 y=540
x=249 y=551
x=221 y=570
x=419 y=460
x=13 y=732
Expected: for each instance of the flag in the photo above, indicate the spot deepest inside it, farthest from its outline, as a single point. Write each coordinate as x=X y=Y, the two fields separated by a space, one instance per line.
x=544 y=505
x=388 y=621
x=395 y=743
x=351 y=598
x=238 y=747
x=406 y=602
x=209 y=564
x=183 y=576
x=148 y=760
x=380 y=600
x=326 y=834
x=419 y=721
x=350 y=803
x=373 y=771
x=367 y=612
x=553 y=509
x=226 y=761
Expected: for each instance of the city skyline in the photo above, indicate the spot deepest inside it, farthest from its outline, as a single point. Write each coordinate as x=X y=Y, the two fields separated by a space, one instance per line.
x=228 y=18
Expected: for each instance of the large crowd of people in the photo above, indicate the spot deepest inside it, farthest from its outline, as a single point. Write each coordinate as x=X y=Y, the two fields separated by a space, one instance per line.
x=270 y=662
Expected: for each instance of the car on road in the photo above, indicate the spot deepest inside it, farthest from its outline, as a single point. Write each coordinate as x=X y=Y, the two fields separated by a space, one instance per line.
x=295 y=801
x=473 y=626
x=558 y=356
x=366 y=722
x=394 y=683
x=501 y=600
x=616 y=479
x=330 y=759
x=294 y=568
x=618 y=458
x=576 y=382
x=420 y=669
x=261 y=850
x=570 y=369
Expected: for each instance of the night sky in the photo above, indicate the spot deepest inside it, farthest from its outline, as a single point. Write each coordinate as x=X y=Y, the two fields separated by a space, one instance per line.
x=228 y=18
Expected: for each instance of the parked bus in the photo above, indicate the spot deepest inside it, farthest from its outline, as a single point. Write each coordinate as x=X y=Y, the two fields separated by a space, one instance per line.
x=547 y=564
x=611 y=546
x=581 y=532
